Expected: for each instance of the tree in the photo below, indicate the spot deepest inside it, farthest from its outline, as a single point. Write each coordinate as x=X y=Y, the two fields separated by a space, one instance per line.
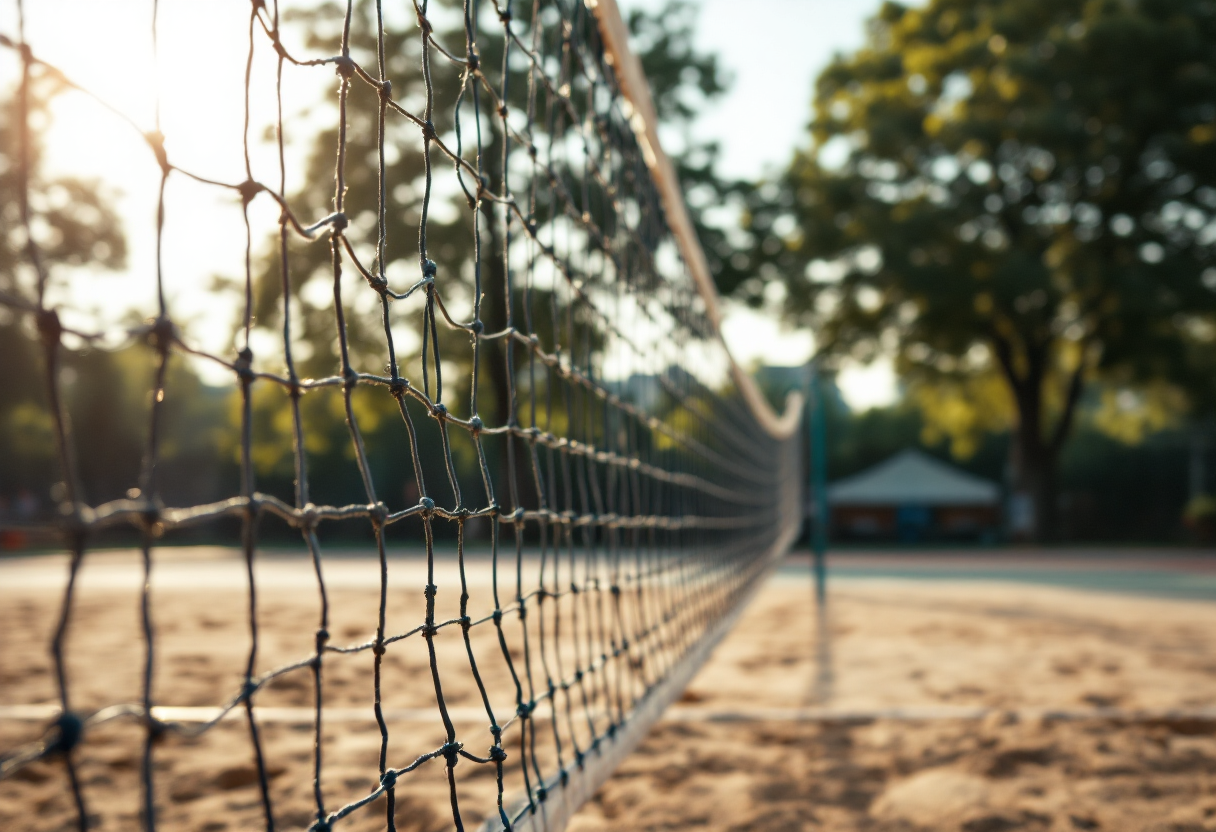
x=74 y=226
x=682 y=80
x=1019 y=189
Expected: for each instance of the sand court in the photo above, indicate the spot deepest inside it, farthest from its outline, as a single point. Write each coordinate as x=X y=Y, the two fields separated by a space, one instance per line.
x=922 y=705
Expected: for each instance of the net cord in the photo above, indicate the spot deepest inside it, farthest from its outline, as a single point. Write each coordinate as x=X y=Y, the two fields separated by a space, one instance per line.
x=644 y=122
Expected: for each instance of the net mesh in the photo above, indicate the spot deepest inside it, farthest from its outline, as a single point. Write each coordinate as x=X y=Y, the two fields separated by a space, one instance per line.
x=632 y=497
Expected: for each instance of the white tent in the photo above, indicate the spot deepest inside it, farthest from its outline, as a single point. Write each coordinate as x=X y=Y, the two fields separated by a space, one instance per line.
x=913 y=478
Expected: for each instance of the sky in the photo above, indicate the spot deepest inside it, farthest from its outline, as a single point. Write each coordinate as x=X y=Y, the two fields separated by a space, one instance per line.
x=772 y=48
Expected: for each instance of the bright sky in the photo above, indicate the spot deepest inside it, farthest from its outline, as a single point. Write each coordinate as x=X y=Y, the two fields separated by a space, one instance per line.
x=773 y=48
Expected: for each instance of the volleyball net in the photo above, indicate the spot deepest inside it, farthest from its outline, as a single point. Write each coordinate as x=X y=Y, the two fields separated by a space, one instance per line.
x=553 y=355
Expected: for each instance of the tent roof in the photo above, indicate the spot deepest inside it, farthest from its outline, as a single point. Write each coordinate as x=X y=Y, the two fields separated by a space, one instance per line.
x=913 y=477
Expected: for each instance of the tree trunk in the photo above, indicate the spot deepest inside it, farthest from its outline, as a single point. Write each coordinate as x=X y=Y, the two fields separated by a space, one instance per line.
x=1034 y=453
x=1032 y=508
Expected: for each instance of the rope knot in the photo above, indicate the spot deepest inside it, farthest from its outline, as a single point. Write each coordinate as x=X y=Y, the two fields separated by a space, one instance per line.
x=388 y=779
x=386 y=90
x=308 y=517
x=339 y=222
x=244 y=365
x=398 y=386
x=475 y=425
x=50 y=327
x=427 y=505
x=248 y=190
x=162 y=334
x=156 y=140
x=524 y=710
x=451 y=753
x=497 y=754
x=70 y=728
x=345 y=66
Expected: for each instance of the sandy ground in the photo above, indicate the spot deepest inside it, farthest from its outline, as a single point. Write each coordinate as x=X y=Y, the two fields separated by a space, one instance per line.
x=933 y=649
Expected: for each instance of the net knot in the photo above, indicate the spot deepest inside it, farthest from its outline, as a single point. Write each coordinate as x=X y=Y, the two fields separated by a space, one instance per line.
x=504 y=14
x=386 y=90
x=497 y=754
x=524 y=710
x=465 y=621
x=69 y=728
x=451 y=752
x=50 y=327
x=378 y=513
x=345 y=66
x=477 y=326
x=244 y=365
x=388 y=779
x=541 y=794
x=428 y=131
x=248 y=190
x=429 y=591
x=518 y=515
x=440 y=411
x=308 y=517
x=427 y=505
x=322 y=639
x=156 y=140
x=320 y=825
x=475 y=425
x=429 y=268
x=496 y=616
x=349 y=377
x=162 y=334
x=378 y=648
x=398 y=386
x=149 y=514
x=474 y=61
x=615 y=590
x=339 y=222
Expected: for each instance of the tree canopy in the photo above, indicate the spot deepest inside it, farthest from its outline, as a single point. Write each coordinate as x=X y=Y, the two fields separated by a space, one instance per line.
x=1022 y=190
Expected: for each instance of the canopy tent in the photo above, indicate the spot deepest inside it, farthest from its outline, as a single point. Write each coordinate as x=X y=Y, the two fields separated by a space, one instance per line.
x=913 y=478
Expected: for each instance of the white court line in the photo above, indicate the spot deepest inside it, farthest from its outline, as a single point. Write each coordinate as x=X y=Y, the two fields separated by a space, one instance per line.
x=678 y=713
